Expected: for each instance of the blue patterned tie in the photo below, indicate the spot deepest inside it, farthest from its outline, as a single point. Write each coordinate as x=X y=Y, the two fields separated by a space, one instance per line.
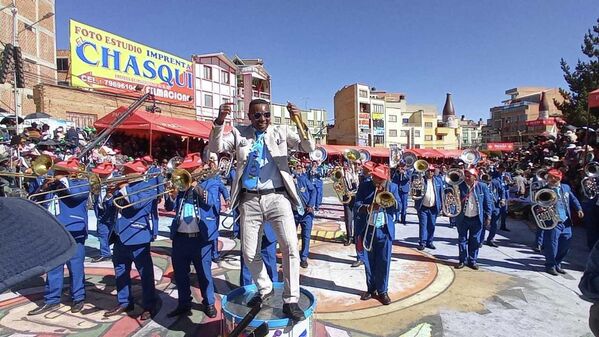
x=255 y=162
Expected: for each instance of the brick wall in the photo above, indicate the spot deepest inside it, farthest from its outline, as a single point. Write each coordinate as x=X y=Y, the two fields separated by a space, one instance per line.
x=58 y=100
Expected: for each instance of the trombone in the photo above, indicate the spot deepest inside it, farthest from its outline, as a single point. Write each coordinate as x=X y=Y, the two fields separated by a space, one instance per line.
x=94 y=184
x=40 y=167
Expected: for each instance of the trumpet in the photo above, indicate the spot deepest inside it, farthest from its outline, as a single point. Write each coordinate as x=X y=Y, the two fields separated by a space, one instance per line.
x=452 y=205
x=384 y=199
x=589 y=184
x=543 y=210
x=417 y=182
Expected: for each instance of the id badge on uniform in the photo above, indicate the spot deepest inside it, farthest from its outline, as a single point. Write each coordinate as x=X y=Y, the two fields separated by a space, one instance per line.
x=54 y=206
x=188 y=212
x=254 y=167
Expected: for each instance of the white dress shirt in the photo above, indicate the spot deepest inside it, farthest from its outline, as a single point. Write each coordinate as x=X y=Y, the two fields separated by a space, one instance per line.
x=429 y=196
x=471 y=207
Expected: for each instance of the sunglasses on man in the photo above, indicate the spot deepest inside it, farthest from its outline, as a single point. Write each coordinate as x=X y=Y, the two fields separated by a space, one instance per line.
x=257 y=115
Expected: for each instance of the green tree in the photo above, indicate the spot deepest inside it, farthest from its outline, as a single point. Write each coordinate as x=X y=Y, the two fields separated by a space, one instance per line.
x=581 y=81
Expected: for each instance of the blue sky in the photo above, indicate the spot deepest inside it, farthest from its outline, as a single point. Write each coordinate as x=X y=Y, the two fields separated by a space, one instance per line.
x=474 y=49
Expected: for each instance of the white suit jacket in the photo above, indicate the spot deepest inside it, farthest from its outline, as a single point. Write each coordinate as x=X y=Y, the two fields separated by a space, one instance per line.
x=278 y=140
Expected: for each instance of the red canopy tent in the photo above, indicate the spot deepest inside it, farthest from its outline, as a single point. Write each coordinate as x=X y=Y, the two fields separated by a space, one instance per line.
x=594 y=99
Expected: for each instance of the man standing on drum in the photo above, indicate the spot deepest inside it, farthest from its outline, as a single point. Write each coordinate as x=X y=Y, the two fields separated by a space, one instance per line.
x=264 y=191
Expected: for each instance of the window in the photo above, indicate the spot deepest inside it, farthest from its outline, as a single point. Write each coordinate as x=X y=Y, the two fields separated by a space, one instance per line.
x=393 y=118
x=62 y=64
x=310 y=123
x=207 y=73
x=439 y=137
x=416 y=133
x=428 y=124
x=404 y=133
x=378 y=123
x=405 y=120
x=81 y=120
x=428 y=137
x=363 y=93
x=378 y=108
x=379 y=139
x=278 y=120
x=208 y=100
x=288 y=121
x=225 y=77
x=392 y=133
x=226 y=100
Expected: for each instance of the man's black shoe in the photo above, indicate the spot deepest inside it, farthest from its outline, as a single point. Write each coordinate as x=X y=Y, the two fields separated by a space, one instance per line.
x=357 y=263
x=505 y=229
x=420 y=247
x=179 y=311
x=431 y=246
x=384 y=298
x=304 y=264
x=491 y=244
x=259 y=299
x=77 y=307
x=473 y=266
x=293 y=312
x=101 y=258
x=210 y=310
x=366 y=296
x=460 y=265
x=147 y=314
x=347 y=243
x=43 y=309
x=551 y=271
x=560 y=270
x=119 y=310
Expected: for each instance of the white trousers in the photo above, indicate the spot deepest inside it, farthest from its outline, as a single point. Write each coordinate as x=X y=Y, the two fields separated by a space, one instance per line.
x=275 y=209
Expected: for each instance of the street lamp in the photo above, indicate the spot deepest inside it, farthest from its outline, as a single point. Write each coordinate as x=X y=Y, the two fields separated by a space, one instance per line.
x=30 y=26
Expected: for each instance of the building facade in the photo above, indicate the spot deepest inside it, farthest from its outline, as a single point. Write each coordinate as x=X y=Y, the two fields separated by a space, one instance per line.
x=315 y=119
x=365 y=116
x=515 y=121
x=215 y=84
x=36 y=35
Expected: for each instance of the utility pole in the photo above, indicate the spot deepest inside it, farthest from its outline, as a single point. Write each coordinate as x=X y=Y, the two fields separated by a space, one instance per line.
x=15 y=43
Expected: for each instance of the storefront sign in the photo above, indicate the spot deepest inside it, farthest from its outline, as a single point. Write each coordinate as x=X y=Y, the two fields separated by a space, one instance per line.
x=500 y=146
x=108 y=62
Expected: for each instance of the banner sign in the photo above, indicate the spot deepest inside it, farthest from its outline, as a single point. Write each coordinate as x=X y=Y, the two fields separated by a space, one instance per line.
x=107 y=62
x=500 y=146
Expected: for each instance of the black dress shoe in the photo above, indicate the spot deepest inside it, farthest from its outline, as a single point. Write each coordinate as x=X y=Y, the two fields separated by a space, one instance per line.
x=179 y=311
x=366 y=296
x=491 y=244
x=101 y=258
x=384 y=298
x=357 y=263
x=551 y=271
x=473 y=266
x=420 y=247
x=210 y=311
x=147 y=314
x=431 y=246
x=347 y=243
x=259 y=299
x=304 y=264
x=43 y=309
x=77 y=307
x=293 y=312
x=460 y=265
x=560 y=270
x=119 y=310
x=505 y=229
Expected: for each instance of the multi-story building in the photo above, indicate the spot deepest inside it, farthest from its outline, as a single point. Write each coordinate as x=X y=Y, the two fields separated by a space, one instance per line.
x=516 y=120
x=471 y=132
x=215 y=84
x=315 y=119
x=35 y=32
x=253 y=81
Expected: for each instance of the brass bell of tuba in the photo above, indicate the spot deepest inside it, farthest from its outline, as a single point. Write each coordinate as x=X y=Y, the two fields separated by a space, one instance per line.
x=590 y=184
x=417 y=181
x=452 y=206
x=543 y=210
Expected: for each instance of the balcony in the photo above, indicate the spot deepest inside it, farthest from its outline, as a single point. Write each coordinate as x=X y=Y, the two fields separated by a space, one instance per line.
x=263 y=95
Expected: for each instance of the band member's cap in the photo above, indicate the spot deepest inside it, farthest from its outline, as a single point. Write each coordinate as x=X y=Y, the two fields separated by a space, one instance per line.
x=70 y=165
x=105 y=168
x=148 y=159
x=473 y=171
x=556 y=173
x=191 y=161
x=431 y=167
x=381 y=172
x=136 y=166
x=369 y=165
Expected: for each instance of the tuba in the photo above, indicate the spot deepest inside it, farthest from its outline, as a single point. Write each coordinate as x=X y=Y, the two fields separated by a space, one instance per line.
x=339 y=185
x=417 y=180
x=589 y=184
x=543 y=210
x=470 y=157
x=319 y=154
x=224 y=166
x=409 y=158
x=452 y=205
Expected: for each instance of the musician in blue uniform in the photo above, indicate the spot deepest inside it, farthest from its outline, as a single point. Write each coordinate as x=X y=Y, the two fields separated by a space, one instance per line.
x=556 y=241
x=378 y=259
x=476 y=212
x=315 y=174
x=304 y=216
x=428 y=208
x=193 y=230
x=133 y=231
x=505 y=178
x=105 y=212
x=498 y=199
x=268 y=252
x=402 y=178
x=69 y=205
x=155 y=178
x=214 y=189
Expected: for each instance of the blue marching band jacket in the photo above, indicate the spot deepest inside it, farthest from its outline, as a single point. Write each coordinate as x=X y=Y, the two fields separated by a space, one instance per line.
x=205 y=212
x=365 y=197
x=483 y=200
x=306 y=190
x=135 y=225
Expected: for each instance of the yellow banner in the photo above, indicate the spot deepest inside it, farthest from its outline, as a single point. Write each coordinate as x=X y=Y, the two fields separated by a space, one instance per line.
x=108 y=62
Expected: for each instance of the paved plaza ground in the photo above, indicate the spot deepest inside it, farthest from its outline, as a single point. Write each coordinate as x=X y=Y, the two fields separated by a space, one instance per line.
x=509 y=296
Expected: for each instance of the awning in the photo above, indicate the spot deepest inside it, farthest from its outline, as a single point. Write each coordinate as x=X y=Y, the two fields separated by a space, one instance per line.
x=146 y=121
x=594 y=99
x=338 y=150
x=427 y=153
